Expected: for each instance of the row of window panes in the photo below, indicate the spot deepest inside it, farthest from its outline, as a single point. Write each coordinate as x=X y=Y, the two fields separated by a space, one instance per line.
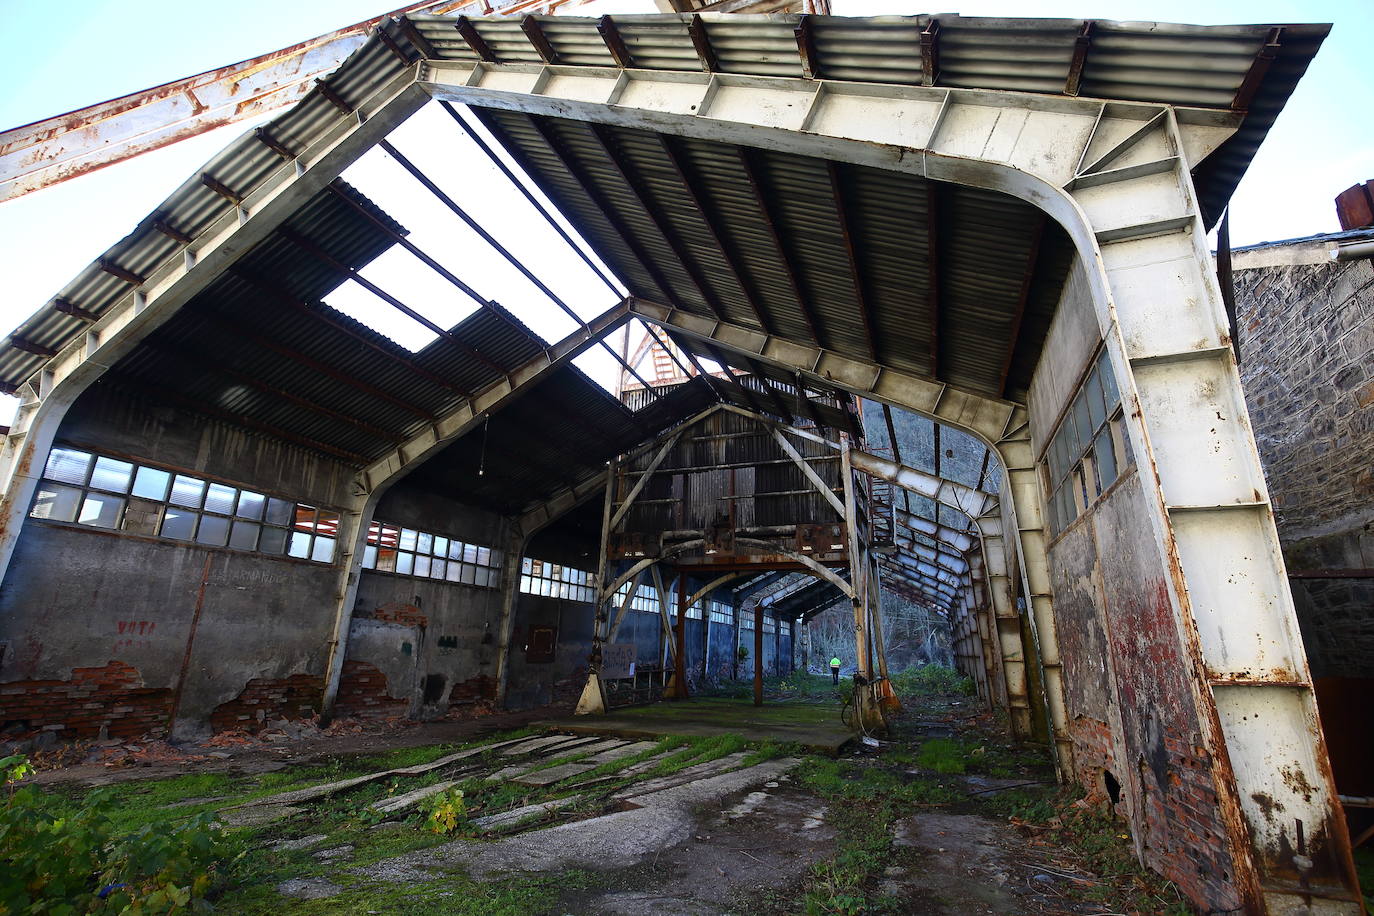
x=645 y=600
x=408 y=552
x=1089 y=450
x=539 y=577
x=109 y=493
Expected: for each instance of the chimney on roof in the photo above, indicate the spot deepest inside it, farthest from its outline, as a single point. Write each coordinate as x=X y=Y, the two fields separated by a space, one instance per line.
x=1355 y=206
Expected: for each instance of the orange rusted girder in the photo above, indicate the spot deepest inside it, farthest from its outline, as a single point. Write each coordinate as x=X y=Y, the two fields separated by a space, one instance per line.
x=46 y=152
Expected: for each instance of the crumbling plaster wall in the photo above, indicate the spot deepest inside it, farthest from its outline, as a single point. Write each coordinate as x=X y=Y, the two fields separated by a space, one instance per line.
x=436 y=642
x=84 y=598
x=1130 y=708
x=1305 y=329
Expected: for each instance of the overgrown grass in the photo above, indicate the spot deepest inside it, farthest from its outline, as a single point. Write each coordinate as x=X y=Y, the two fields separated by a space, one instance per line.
x=1364 y=869
x=931 y=681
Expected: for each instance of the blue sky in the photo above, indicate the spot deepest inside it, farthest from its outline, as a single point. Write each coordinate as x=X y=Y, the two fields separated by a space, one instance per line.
x=92 y=51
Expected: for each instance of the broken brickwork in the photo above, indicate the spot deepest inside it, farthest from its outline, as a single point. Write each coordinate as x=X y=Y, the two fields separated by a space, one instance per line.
x=105 y=702
x=363 y=693
x=294 y=697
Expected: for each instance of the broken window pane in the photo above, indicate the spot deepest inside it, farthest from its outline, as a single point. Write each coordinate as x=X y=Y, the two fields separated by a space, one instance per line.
x=408 y=538
x=67 y=465
x=56 y=502
x=305 y=518
x=101 y=511
x=424 y=543
x=141 y=516
x=110 y=474
x=150 y=483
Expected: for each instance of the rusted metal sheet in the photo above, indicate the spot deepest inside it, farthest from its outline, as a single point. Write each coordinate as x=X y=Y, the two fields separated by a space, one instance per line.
x=34 y=156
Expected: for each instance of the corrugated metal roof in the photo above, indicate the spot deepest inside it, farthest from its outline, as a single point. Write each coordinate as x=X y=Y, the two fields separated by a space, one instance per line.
x=782 y=263
x=1186 y=65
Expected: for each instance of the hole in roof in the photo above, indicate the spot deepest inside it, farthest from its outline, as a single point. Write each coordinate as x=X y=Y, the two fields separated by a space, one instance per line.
x=433 y=144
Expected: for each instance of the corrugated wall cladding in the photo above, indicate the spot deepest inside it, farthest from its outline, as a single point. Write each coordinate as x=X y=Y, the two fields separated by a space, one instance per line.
x=758 y=238
x=724 y=459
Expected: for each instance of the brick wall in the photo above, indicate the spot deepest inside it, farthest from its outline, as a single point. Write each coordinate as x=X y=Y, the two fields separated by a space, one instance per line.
x=295 y=697
x=363 y=693
x=480 y=689
x=1306 y=335
x=109 y=699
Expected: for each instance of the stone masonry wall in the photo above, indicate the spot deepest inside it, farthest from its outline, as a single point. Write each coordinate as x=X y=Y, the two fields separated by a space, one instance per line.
x=1306 y=341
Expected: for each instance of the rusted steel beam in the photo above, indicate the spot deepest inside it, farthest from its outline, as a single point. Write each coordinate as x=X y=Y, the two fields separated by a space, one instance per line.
x=702 y=43
x=413 y=36
x=475 y=41
x=162 y=392
x=654 y=215
x=391 y=45
x=615 y=43
x=300 y=358
x=200 y=359
x=598 y=200
x=114 y=270
x=327 y=91
x=933 y=270
x=1080 y=57
x=356 y=276
x=672 y=150
x=1019 y=313
x=855 y=270
x=1254 y=77
x=43 y=153
x=746 y=159
x=930 y=53
x=29 y=346
x=525 y=191
x=220 y=188
x=806 y=48
x=265 y=137
x=161 y=225
x=538 y=40
x=76 y=311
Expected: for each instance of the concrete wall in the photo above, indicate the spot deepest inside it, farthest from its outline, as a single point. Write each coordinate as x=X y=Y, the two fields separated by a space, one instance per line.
x=1305 y=326
x=116 y=612
x=436 y=642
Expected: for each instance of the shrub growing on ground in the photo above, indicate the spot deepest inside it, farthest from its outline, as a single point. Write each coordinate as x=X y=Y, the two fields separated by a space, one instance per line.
x=932 y=681
x=446 y=811
x=60 y=860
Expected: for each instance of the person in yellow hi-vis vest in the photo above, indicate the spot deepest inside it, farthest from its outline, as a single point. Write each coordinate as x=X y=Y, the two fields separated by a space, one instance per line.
x=835 y=670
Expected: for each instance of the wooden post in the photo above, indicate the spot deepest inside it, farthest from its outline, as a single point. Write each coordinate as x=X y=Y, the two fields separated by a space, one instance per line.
x=758 y=653
x=593 y=699
x=734 y=656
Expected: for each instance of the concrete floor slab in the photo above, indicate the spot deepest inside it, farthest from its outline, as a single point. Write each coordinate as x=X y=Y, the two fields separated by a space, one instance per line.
x=621 y=752
x=815 y=727
x=553 y=774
